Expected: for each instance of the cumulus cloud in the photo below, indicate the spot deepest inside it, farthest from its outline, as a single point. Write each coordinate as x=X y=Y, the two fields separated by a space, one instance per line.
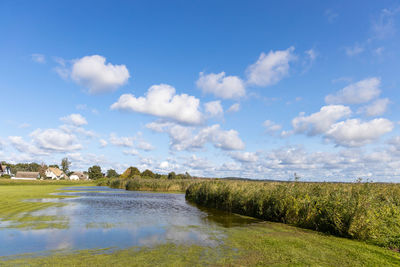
x=320 y=121
x=221 y=85
x=39 y=58
x=354 y=133
x=132 y=152
x=121 y=140
x=162 y=101
x=356 y=93
x=214 y=108
x=74 y=119
x=55 y=140
x=234 y=108
x=244 y=156
x=183 y=138
x=98 y=76
x=270 y=68
x=376 y=108
x=24 y=147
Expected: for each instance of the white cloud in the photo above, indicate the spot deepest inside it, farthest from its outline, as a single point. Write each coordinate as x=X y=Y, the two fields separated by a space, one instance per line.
x=270 y=68
x=356 y=93
x=214 y=108
x=354 y=50
x=93 y=73
x=121 y=141
x=132 y=152
x=182 y=138
x=312 y=54
x=234 y=108
x=321 y=121
x=271 y=126
x=244 y=156
x=143 y=145
x=55 y=140
x=103 y=143
x=74 y=119
x=376 y=108
x=164 y=165
x=24 y=125
x=25 y=147
x=353 y=132
x=221 y=85
x=39 y=58
x=162 y=101
x=385 y=26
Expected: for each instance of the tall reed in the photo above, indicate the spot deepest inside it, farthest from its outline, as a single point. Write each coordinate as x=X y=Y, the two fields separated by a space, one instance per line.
x=363 y=211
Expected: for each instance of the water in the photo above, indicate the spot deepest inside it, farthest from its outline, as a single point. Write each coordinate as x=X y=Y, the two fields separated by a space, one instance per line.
x=101 y=217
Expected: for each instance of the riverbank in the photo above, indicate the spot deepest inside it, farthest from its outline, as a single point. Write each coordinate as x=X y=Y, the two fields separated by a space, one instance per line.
x=362 y=211
x=154 y=185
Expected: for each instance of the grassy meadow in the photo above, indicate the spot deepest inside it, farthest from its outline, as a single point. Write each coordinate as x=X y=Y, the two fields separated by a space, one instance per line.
x=363 y=211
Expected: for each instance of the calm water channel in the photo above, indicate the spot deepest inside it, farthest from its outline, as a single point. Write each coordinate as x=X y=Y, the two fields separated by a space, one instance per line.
x=101 y=217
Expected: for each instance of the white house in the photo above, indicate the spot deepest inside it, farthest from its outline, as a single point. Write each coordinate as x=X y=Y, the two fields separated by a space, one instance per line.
x=79 y=176
x=55 y=173
x=5 y=170
x=26 y=176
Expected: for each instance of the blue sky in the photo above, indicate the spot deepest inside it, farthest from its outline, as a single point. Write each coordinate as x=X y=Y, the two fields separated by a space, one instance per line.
x=254 y=89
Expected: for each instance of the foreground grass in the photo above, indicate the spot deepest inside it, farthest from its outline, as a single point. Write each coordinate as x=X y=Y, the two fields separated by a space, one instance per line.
x=16 y=211
x=369 y=212
x=261 y=244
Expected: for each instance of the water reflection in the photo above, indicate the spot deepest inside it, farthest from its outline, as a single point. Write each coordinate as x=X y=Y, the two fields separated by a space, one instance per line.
x=101 y=217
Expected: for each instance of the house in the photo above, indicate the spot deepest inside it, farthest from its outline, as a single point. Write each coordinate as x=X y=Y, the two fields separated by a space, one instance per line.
x=26 y=176
x=79 y=176
x=55 y=173
x=5 y=170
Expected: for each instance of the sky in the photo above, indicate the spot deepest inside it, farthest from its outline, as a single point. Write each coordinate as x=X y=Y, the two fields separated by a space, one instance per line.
x=254 y=89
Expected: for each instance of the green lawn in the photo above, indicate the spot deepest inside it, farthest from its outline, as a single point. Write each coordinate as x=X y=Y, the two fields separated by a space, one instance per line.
x=259 y=244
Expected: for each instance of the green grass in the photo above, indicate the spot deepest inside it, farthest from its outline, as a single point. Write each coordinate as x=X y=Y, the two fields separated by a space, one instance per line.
x=153 y=185
x=262 y=244
x=369 y=212
x=16 y=209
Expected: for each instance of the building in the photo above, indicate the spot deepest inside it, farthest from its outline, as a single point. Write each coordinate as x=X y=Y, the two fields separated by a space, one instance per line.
x=5 y=170
x=26 y=176
x=55 y=173
x=79 y=176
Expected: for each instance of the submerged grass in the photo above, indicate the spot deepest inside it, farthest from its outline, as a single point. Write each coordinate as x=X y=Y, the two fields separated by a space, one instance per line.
x=363 y=211
x=16 y=209
x=261 y=244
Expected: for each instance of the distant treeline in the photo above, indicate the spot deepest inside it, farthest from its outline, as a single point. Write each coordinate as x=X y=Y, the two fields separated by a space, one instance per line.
x=363 y=211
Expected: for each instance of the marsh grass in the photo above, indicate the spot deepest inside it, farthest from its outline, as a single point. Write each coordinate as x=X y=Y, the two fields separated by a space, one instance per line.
x=362 y=211
x=154 y=185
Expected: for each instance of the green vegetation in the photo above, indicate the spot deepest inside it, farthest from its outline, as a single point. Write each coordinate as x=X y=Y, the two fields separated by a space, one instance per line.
x=262 y=244
x=95 y=173
x=16 y=211
x=363 y=211
x=139 y=184
x=111 y=173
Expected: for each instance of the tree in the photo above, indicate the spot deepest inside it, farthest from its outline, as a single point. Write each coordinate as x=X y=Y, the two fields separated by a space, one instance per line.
x=95 y=172
x=148 y=173
x=65 y=163
x=42 y=170
x=171 y=175
x=111 y=173
x=131 y=172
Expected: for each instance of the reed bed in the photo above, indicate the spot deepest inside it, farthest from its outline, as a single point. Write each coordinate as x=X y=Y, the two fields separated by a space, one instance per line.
x=158 y=185
x=362 y=211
